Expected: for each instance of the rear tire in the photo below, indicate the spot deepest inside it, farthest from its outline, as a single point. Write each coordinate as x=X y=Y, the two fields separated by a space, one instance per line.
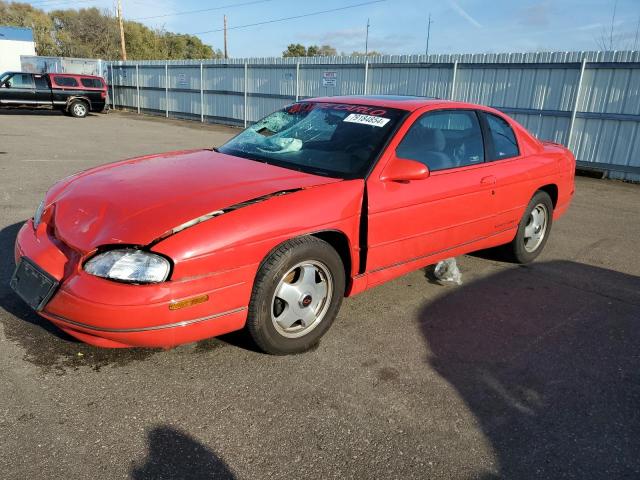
x=533 y=230
x=296 y=296
x=78 y=109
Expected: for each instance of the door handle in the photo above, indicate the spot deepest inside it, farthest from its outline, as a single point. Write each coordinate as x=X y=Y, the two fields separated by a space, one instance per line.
x=488 y=180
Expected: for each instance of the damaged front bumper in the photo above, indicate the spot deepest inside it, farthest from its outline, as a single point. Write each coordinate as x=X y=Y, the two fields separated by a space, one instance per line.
x=105 y=313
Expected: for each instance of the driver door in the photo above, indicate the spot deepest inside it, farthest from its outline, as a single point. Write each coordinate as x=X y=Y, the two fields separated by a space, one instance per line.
x=413 y=222
x=19 y=89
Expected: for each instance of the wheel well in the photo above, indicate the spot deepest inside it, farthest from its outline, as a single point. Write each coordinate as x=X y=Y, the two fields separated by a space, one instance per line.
x=79 y=99
x=340 y=243
x=552 y=191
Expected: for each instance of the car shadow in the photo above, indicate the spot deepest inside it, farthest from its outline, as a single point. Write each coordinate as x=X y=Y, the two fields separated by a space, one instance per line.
x=42 y=112
x=175 y=455
x=30 y=112
x=9 y=301
x=546 y=359
x=44 y=344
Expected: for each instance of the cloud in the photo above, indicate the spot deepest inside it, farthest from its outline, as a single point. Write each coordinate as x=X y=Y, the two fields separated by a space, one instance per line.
x=535 y=15
x=352 y=39
x=464 y=14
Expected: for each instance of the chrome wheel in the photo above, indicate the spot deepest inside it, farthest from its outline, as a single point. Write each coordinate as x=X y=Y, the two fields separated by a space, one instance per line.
x=301 y=299
x=536 y=227
x=79 y=109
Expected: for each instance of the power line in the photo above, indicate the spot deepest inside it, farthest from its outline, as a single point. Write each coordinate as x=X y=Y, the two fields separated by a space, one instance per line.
x=188 y=12
x=283 y=19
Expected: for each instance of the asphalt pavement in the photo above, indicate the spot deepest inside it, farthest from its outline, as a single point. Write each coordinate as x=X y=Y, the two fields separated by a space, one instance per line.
x=521 y=372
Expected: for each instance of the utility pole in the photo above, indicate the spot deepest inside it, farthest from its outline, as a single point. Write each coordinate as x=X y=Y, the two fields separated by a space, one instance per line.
x=226 y=54
x=429 y=22
x=613 y=19
x=123 y=46
x=366 y=41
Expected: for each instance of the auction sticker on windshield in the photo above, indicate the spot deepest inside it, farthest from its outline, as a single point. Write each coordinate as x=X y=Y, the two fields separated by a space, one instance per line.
x=367 y=120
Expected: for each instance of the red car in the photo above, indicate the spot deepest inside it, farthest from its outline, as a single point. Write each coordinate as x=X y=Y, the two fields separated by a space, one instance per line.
x=320 y=200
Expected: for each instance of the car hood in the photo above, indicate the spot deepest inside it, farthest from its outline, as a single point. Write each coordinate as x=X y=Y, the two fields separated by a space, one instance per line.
x=139 y=200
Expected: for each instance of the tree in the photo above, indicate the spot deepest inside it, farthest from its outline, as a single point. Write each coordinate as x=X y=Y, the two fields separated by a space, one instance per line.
x=295 y=50
x=299 y=50
x=24 y=15
x=372 y=53
x=90 y=33
x=327 y=51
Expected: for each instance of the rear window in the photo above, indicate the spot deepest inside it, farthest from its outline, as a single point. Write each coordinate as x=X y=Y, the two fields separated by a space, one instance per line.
x=504 y=140
x=91 y=82
x=65 y=81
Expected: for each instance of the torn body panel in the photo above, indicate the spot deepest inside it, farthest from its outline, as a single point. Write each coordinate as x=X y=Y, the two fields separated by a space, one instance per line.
x=217 y=213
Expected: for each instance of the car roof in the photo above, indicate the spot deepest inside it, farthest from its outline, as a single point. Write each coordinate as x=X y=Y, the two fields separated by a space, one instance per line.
x=401 y=102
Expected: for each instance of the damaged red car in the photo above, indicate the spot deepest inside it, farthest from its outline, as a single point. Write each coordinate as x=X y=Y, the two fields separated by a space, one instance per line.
x=318 y=201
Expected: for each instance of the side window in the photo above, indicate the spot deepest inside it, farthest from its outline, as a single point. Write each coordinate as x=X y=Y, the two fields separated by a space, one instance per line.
x=91 y=82
x=22 y=80
x=502 y=137
x=444 y=139
x=41 y=83
x=65 y=81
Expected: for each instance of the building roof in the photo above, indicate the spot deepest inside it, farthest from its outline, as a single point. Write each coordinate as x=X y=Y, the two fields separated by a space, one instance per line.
x=19 y=34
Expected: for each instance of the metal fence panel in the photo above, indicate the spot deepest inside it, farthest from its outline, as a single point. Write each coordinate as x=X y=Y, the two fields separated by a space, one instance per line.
x=423 y=81
x=542 y=90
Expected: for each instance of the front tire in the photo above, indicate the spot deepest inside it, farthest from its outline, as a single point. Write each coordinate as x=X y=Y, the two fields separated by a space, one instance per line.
x=533 y=230
x=296 y=296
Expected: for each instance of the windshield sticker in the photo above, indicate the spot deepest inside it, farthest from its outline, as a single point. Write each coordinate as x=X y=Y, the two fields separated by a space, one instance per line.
x=367 y=120
x=307 y=107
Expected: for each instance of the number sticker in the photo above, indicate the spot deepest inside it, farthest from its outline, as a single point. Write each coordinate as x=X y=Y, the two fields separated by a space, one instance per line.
x=367 y=120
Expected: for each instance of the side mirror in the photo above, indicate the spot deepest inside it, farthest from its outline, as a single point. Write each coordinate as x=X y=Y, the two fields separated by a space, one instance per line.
x=404 y=170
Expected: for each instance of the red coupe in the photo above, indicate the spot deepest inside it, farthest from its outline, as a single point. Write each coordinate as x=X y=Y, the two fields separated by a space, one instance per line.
x=320 y=200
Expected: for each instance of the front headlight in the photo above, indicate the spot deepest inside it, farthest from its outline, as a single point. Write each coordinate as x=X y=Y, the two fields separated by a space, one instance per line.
x=129 y=265
x=38 y=215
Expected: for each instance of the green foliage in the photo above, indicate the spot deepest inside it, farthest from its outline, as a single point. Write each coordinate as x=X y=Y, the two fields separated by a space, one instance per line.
x=90 y=33
x=295 y=50
x=371 y=53
x=299 y=50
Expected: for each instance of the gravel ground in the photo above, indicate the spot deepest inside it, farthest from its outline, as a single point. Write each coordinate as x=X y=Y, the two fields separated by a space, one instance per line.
x=521 y=372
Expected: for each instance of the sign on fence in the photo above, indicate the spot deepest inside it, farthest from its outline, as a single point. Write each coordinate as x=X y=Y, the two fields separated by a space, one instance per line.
x=329 y=78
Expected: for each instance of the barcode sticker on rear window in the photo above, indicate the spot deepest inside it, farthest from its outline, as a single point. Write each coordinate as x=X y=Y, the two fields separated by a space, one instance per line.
x=367 y=120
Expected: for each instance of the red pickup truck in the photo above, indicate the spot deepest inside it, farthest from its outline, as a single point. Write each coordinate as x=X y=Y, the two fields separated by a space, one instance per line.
x=76 y=95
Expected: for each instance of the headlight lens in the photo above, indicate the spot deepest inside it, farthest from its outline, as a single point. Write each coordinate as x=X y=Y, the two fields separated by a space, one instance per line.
x=129 y=265
x=38 y=215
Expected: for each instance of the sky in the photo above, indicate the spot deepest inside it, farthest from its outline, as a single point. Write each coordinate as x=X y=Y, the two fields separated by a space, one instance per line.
x=396 y=26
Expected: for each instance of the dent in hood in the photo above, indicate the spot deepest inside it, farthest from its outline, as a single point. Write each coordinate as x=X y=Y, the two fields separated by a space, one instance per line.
x=143 y=200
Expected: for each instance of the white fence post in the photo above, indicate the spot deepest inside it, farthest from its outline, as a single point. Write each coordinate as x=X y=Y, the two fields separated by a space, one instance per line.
x=201 y=93
x=138 y=87
x=366 y=75
x=246 y=88
x=166 y=89
x=113 y=90
x=453 y=80
x=575 y=103
x=297 y=81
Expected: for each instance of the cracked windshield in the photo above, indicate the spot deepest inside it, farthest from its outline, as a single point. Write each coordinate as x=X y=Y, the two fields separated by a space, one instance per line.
x=337 y=140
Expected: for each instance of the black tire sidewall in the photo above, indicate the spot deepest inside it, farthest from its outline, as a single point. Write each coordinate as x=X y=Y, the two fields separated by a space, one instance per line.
x=275 y=266
x=520 y=254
